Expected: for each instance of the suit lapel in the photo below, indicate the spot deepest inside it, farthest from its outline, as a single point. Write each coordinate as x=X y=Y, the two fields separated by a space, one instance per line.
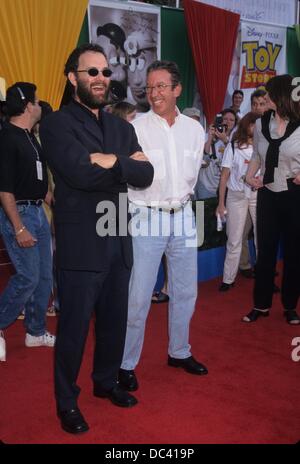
x=90 y=124
x=109 y=138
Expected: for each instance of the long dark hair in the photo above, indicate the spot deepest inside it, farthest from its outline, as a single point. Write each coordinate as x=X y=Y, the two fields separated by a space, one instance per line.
x=242 y=135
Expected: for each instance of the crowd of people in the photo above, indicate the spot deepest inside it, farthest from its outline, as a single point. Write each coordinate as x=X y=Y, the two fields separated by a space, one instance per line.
x=122 y=190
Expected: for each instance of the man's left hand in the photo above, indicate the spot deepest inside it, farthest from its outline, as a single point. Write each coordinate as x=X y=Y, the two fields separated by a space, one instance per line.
x=103 y=160
x=139 y=156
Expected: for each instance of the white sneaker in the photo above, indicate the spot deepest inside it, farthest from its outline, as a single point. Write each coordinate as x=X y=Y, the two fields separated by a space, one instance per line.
x=2 y=347
x=43 y=340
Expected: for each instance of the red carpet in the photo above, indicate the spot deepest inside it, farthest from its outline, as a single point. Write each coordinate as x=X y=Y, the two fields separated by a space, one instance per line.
x=251 y=394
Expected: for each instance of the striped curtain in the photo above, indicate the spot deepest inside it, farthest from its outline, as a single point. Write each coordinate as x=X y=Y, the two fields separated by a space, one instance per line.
x=36 y=37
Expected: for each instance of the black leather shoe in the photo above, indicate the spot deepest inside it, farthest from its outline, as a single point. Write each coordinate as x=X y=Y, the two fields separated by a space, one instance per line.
x=190 y=365
x=72 y=421
x=291 y=317
x=225 y=287
x=128 y=380
x=248 y=273
x=254 y=315
x=116 y=395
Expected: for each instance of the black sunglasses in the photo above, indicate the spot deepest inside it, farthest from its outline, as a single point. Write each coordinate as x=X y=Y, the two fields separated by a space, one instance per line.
x=93 y=72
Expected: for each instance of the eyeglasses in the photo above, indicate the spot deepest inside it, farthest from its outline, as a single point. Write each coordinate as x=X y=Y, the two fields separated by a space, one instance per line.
x=159 y=87
x=93 y=72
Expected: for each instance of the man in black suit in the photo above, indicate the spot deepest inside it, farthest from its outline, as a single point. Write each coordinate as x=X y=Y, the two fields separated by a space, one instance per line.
x=93 y=156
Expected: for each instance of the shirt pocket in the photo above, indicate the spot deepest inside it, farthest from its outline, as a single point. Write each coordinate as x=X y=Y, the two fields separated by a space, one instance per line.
x=189 y=164
x=156 y=158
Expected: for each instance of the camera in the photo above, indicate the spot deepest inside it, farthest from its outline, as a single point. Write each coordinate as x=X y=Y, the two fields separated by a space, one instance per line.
x=219 y=123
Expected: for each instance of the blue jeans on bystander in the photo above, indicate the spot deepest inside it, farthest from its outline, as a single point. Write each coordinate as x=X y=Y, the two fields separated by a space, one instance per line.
x=30 y=287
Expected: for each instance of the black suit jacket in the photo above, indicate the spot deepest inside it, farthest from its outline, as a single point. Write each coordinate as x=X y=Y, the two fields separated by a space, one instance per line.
x=68 y=137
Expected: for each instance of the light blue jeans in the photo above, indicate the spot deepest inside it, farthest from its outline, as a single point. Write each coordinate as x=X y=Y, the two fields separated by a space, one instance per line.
x=182 y=279
x=31 y=285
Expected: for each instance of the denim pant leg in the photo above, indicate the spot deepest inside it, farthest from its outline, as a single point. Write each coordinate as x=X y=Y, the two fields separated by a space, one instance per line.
x=181 y=255
x=36 y=306
x=147 y=254
x=22 y=285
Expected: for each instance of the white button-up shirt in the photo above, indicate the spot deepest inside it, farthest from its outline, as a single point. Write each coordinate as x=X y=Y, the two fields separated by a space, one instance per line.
x=237 y=162
x=176 y=154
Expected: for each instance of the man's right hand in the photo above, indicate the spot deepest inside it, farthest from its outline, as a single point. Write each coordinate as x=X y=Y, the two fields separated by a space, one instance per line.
x=25 y=239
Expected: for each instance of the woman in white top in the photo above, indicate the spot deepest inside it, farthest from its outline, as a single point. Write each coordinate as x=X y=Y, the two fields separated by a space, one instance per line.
x=240 y=198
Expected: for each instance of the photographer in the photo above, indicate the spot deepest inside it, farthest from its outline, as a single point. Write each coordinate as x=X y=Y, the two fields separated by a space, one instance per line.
x=219 y=134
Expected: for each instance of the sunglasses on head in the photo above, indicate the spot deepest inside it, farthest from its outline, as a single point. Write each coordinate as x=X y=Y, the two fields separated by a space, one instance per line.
x=93 y=72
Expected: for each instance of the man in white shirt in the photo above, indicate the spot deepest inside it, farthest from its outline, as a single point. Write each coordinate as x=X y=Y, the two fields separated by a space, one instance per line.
x=163 y=222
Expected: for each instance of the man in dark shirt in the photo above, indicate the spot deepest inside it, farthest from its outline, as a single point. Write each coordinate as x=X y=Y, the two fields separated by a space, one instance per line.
x=93 y=155
x=24 y=227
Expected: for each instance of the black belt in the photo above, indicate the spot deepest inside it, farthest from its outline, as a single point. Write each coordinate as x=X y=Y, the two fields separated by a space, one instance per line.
x=167 y=210
x=30 y=202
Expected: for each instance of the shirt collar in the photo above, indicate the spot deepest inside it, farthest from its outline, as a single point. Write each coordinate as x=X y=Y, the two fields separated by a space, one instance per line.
x=19 y=129
x=162 y=120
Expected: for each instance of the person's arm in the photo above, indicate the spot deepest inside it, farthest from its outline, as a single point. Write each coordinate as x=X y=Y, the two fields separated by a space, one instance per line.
x=70 y=159
x=225 y=173
x=251 y=179
x=254 y=165
x=137 y=170
x=23 y=236
x=297 y=179
x=145 y=174
x=210 y=137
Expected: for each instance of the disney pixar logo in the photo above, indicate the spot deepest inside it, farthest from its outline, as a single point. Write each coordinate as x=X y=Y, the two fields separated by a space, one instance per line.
x=295 y=355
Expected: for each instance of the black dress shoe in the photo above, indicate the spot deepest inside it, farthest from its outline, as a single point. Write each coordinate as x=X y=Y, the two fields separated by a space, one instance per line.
x=159 y=297
x=190 y=365
x=128 y=380
x=116 y=395
x=225 y=287
x=248 y=273
x=72 y=421
x=254 y=315
x=291 y=317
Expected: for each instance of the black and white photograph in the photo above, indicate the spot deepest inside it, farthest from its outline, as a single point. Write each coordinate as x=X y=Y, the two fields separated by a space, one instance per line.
x=130 y=37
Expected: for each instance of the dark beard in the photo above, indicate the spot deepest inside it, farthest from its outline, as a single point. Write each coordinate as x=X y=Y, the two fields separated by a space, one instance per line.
x=88 y=99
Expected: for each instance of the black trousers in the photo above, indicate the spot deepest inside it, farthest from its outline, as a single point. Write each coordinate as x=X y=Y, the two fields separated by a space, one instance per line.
x=81 y=293
x=278 y=220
